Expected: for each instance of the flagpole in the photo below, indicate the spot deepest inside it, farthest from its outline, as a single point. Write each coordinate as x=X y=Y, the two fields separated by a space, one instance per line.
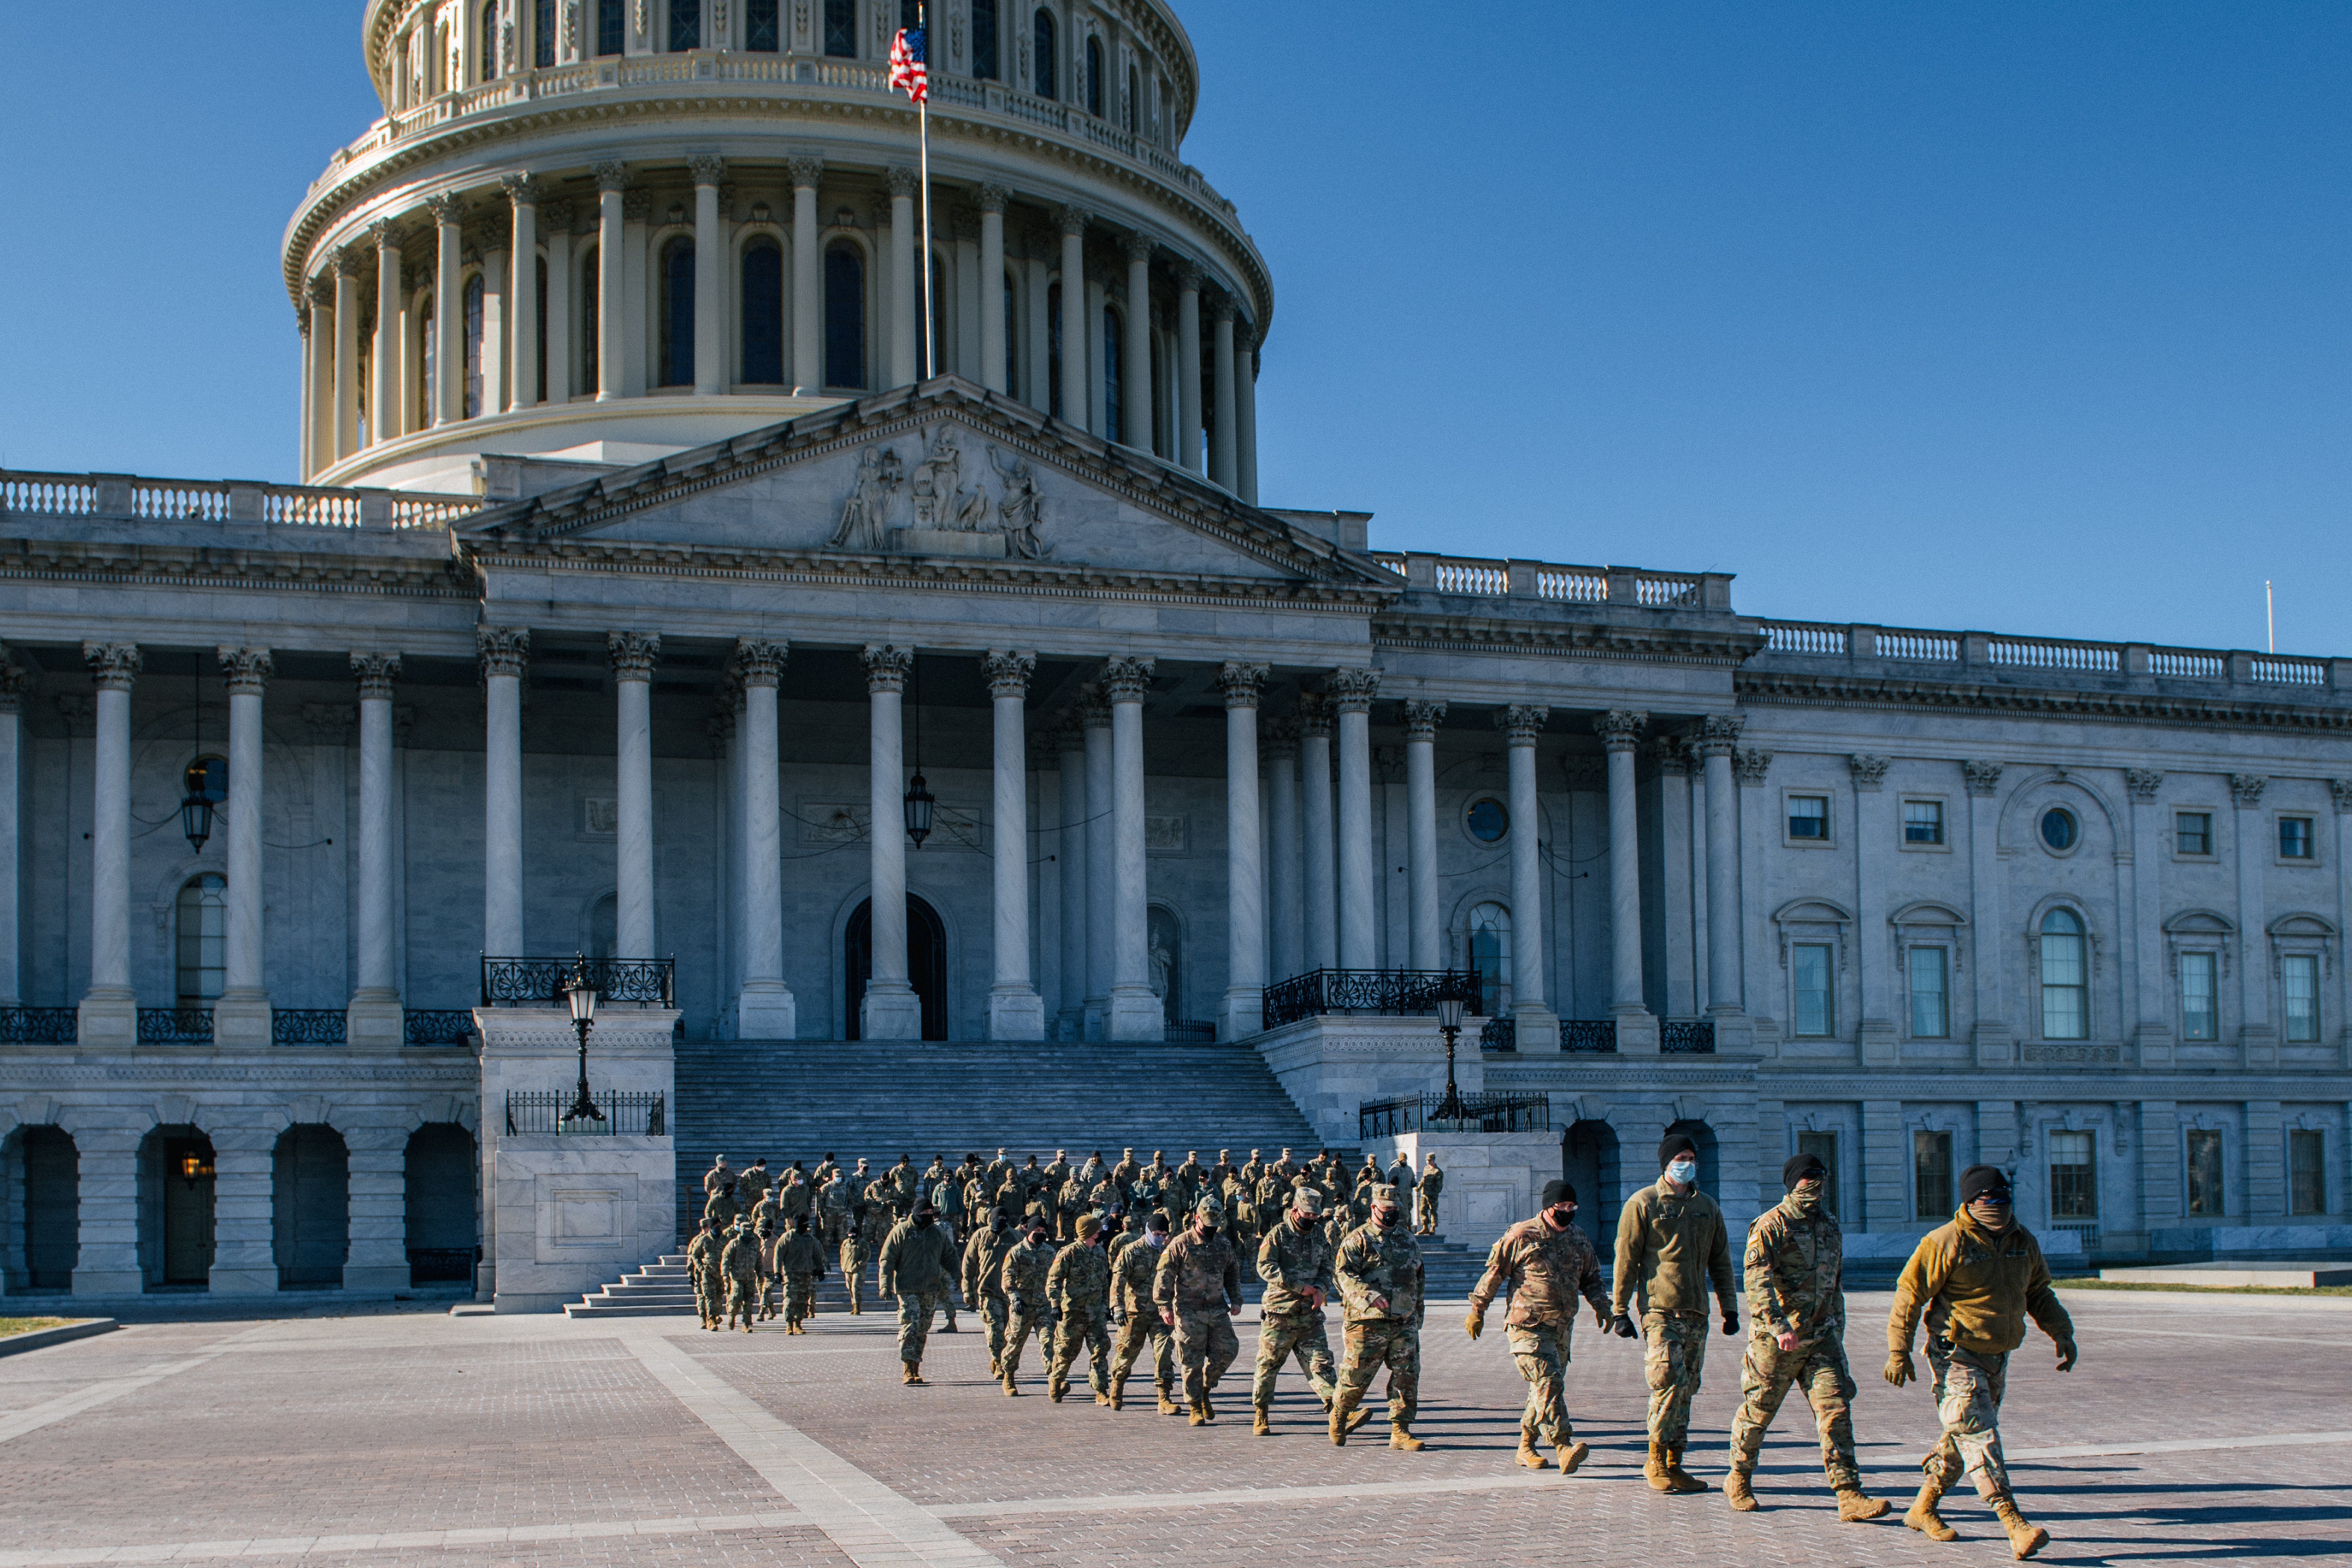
x=923 y=135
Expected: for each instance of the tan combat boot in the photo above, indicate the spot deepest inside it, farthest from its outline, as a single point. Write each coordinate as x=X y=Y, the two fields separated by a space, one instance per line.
x=1208 y=1411
x=1341 y=1409
x=2024 y=1539
x=1854 y=1504
x=1528 y=1455
x=1923 y=1517
x=1055 y=1388
x=1167 y=1401
x=1101 y=1397
x=1736 y=1493
x=914 y=1375
x=1679 y=1479
x=1012 y=1389
x=1200 y=1415
x=1398 y=1438
x=1117 y=1398
x=1654 y=1470
x=1571 y=1456
x=1261 y=1422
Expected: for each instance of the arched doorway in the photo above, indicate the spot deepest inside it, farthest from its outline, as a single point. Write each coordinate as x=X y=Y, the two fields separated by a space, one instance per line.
x=176 y=1207
x=44 y=1234
x=441 y=1213
x=1588 y=1162
x=927 y=964
x=310 y=1209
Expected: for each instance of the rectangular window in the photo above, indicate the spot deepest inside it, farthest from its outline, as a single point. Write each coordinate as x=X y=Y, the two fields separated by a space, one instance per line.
x=2193 y=832
x=762 y=26
x=2295 y=837
x=2065 y=998
x=612 y=18
x=1931 y=1175
x=1809 y=817
x=685 y=26
x=1809 y=969
x=2205 y=1172
x=840 y=29
x=2306 y=1171
x=2073 y=1176
x=1823 y=1146
x=2299 y=989
x=1923 y=822
x=2200 y=1019
x=984 y=39
x=1931 y=1000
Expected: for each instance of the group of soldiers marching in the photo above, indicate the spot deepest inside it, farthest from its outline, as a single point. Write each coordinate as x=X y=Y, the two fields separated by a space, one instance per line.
x=1086 y=1261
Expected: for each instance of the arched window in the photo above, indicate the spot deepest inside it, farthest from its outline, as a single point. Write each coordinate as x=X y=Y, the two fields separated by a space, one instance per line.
x=678 y=314
x=2065 y=978
x=1054 y=350
x=763 y=313
x=844 y=315
x=984 y=39
x=1114 y=411
x=488 y=57
x=588 y=305
x=203 y=939
x=841 y=28
x=473 y=329
x=1046 y=82
x=1489 y=932
x=1095 y=77
x=761 y=32
x=542 y=34
x=612 y=23
x=685 y=26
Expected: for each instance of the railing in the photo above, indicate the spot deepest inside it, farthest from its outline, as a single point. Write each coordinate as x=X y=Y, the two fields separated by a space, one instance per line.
x=438 y=1027
x=2096 y=658
x=1789 y=636
x=1930 y=648
x=2188 y=665
x=627 y=1114
x=1478 y=1113
x=1397 y=991
x=39 y=1026
x=1190 y=1032
x=1595 y=1036
x=1685 y=1036
x=1500 y=1035
x=2288 y=671
x=1550 y=580
x=213 y=500
x=175 y=1025
x=442 y=1265
x=2055 y=656
x=539 y=982
x=309 y=1026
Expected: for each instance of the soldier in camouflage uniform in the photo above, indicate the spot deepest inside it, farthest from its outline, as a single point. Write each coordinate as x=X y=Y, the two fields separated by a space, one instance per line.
x=1078 y=1284
x=855 y=1255
x=740 y=1265
x=1295 y=1262
x=800 y=1259
x=1545 y=1263
x=766 y=1233
x=1378 y=1269
x=983 y=1281
x=1198 y=1292
x=918 y=1268
x=1671 y=1247
x=751 y=1185
x=702 y=1267
x=1431 y=1187
x=1023 y=1276
x=1135 y=1267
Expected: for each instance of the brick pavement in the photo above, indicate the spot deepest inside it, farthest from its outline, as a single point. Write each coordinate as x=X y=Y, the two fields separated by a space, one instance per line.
x=426 y=1439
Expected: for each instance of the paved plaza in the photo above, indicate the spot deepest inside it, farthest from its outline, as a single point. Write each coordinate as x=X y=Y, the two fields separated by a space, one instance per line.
x=2196 y=1429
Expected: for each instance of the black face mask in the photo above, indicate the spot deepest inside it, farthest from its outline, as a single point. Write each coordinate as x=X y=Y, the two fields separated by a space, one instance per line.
x=999 y=1224
x=1387 y=1218
x=923 y=1221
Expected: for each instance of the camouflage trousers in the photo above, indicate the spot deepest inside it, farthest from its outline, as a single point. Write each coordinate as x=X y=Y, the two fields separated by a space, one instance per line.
x=1021 y=1322
x=1205 y=1346
x=915 y=1310
x=742 y=1300
x=856 y=1280
x=1967 y=1386
x=1676 y=1355
x=994 y=1313
x=711 y=1296
x=1082 y=1329
x=1819 y=1370
x=1425 y=1213
x=1390 y=1342
x=800 y=1296
x=1542 y=1357
x=1282 y=1336
x=767 y=1296
x=1132 y=1333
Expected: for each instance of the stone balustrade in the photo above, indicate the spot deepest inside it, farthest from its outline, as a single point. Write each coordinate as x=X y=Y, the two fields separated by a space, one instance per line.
x=1620 y=586
x=204 y=500
x=1951 y=653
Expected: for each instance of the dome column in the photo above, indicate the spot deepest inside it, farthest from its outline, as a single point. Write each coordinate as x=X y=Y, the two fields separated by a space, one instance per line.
x=992 y=286
x=1244 y=1007
x=1135 y=374
x=1245 y=414
x=1351 y=698
x=808 y=279
x=1073 y=221
x=711 y=270
x=1187 y=367
x=322 y=412
x=347 y=355
x=904 y=319
x=1538 y=1027
x=1221 y=439
x=764 y=1007
x=612 y=180
x=241 y=1016
x=503 y=650
x=448 y=311
x=1427 y=938
x=1321 y=949
x=633 y=656
x=522 y=291
x=383 y=391
x=1136 y=1014
x=373 y=1016
x=562 y=314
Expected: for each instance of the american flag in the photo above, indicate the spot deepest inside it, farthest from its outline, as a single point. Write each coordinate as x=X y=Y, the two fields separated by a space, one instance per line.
x=907 y=72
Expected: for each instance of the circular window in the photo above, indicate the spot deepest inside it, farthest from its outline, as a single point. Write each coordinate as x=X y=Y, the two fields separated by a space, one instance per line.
x=1487 y=820
x=2058 y=829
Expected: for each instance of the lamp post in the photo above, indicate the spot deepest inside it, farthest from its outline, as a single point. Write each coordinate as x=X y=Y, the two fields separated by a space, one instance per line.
x=581 y=991
x=1449 y=1020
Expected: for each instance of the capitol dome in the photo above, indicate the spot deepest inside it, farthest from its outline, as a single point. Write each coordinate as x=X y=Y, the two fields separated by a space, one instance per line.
x=750 y=165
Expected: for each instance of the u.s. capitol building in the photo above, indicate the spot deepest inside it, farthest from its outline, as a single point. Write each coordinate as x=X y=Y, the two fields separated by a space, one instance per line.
x=644 y=558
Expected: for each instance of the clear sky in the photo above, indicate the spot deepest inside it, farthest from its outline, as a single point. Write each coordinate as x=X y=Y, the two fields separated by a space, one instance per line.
x=2022 y=317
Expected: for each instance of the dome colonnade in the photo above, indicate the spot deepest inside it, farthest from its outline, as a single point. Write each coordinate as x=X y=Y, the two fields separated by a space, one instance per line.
x=762 y=201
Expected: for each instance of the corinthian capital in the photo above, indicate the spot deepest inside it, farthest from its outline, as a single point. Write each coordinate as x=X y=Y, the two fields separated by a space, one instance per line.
x=1139 y=245
x=992 y=198
x=902 y=181
x=1241 y=683
x=1313 y=716
x=804 y=171
x=611 y=175
x=1718 y=734
x=449 y=209
x=887 y=667
x=1421 y=720
x=1008 y=672
x=113 y=665
x=1127 y=679
x=1352 y=691
x=705 y=168
x=1520 y=722
x=1281 y=740
x=633 y=654
x=12 y=688
x=759 y=663
x=375 y=673
x=248 y=669
x=523 y=190
x=1620 y=728
x=501 y=651
x=1071 y=218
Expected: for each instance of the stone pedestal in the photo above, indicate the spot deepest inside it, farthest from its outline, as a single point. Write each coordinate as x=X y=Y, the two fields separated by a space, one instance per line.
x=376 y=1024
x=1016 y=1013
x=106 y=1020
x=765 y=1010
x=1493 y=1180
x=241 y=1022
x=1331 y=1065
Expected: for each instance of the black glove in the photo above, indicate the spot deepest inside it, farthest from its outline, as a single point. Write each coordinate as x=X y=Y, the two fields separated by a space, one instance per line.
x=1623 y=1327
x=1730 y=1321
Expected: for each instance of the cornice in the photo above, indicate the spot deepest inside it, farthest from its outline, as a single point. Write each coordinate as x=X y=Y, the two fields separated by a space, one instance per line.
x=1798 y=690
x=176 y=1071
x=1958 y=1082
x=1674 y=642
x=190 y=566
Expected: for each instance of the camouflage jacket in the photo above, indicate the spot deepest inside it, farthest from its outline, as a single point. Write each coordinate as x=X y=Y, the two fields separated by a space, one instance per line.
x=1546 y=1270
x=801 y=1253
x=834 y=1196
x=1432 y=1182
x=1291 y=1263
x=1197 y=1275
x=1024 y=1270
x=702 y=1255
x=899 y=1182
x=740 y=1261
x=1132 y=1272
x=917 y=1260
x=1079 y=1279
x=718 y=1179
x=1794 y=1264
x=793 y=1199
x=1376 y=1264
x=983 y=1261
x=853 y=1255
x=751 y=1183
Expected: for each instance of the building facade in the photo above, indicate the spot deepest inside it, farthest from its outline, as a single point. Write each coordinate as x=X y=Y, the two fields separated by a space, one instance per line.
x=690 y=609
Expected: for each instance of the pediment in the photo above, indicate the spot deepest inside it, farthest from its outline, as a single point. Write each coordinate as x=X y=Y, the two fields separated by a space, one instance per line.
x=940 y=477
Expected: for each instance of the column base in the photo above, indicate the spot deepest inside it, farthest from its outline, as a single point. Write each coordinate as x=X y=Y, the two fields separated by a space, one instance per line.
x=766 y=1011
x=108 y=1019
x=1095 y=1019
x=107 y=1281
x=1135 y=1015
x=242 y=1021
x=1637 y=1032
x=2260 y=1043
x=375 y=1279
x=1070 y=1024
x=372 y=1020
x=1016 y=1013
x=891 y=1011
x=1535 y=1031
x=1735 y=1032
x=1243 y=1012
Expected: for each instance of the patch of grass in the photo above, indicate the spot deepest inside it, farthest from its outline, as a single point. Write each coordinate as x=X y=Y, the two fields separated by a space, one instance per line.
x=26 y=1325
x=2206 y=1290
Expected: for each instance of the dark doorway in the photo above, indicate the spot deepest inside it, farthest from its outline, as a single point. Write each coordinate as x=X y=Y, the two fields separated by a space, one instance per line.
x=310 y=1208
x=178 y=1248
x=47 y=1169
x=441 y=1210
x=1588 y=1162
x=927 y=963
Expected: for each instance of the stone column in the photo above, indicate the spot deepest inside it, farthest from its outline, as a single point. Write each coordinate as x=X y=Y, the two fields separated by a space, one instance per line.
x=2254 y=848
x=1187 y=367
x=637 y=291
x=1286 y=917
x=891 y=1010
x=347 y=352
x=105 y=1140
x=765 y=1008
x=1102 y=872
x=1243 y=1014
x=1135 y=350
x=563 y=315
x=1619 y=734
x=385 y=421
x=241 y=1016
x=501 y=651
x=1421 y=723
x=1070 y=873
x=243 y=1174
x=992 y=199
x=1135 y=1013
x=378 y=1200
x=633 y=656
x=1875 y=831
x=319 y=411
x=491 y=244
x=523 y=289
x=1015 y=1011
x=1322 y=944
x=1726 y=983
x=808 y=279
x=2152 y=1018
x=448 y=309
x=1538 y=1027
x=12 y=703
x=1224 y=462
x=1983 y=781
x=904 y=320
x=109 y=1009
x=1073 y=221
x=612 y=279
x=711 y=376
x=373 y=1015
x=1351 y=698
x=1245 y=414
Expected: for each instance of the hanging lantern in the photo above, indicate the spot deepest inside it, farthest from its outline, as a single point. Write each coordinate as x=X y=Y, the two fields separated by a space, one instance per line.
x=918 y=811
x=196 y=808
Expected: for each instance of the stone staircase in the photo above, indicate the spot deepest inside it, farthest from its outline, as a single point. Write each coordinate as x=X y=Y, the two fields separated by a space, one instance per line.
x=659 y=1289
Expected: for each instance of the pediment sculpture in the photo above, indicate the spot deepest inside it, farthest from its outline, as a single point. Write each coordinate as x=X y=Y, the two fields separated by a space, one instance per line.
x=937 y=515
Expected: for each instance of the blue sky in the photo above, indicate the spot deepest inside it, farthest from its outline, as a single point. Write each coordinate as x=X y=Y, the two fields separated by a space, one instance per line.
x=2022 y=317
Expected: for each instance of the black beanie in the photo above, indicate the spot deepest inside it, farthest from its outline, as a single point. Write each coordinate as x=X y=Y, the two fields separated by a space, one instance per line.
x=1675 y=1144
x=1799 y=1166
x=1557 y=1192
x=1983 y=1181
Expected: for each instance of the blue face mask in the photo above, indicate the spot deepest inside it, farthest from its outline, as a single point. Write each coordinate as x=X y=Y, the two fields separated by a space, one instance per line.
x=1683 y=1171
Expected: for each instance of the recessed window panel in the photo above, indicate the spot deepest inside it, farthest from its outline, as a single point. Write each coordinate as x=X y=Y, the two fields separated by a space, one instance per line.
x=1923 y=822
x=2065 y=978
x=2201 y=1017
x=1809 y=817
x=2206 y=1197
x=2193 y=832
x=2295 y=837
x=1931 y=1175
x=2299 y=988
x=1929 y=972
x=2073 y=1176
x=1812 y=998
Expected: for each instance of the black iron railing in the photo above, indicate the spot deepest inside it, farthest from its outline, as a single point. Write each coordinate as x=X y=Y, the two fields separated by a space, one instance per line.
x=1687 y=1036
x=1394 y=991
x=39 y=1026
x=1500 y=1035
x=309 y=1026
x=628 y=1114
x=442 y=1265
x=1479 y=1113
x=1597 y=1034
x=539 y=982
x=175 y=1025
x=1191 y=1032
x=438 y=1027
